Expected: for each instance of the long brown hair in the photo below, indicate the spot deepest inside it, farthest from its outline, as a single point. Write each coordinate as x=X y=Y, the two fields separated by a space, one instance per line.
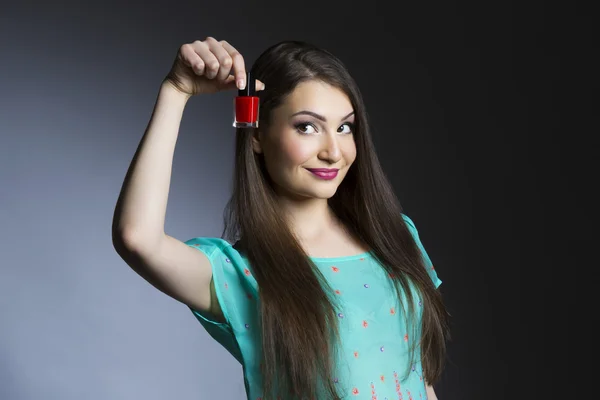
x=297 y=313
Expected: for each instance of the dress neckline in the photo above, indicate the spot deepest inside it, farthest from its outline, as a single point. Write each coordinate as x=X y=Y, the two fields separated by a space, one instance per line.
x=342 y=258
x=365 y=254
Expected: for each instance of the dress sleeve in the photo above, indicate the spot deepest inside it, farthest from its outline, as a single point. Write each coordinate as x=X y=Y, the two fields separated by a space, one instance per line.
x=427 y=261
x=230 y=278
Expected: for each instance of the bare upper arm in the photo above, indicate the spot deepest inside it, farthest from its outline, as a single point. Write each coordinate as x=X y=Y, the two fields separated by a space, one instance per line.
x=176 y=269
x=430 y=393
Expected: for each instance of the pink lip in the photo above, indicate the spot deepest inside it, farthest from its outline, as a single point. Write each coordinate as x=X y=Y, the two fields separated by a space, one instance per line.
x=324 y=173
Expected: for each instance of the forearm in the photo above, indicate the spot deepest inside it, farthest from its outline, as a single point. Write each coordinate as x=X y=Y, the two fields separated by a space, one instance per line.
x=142 y=204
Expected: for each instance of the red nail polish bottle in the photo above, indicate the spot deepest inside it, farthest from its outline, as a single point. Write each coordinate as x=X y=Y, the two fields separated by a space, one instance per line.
x=245 y=105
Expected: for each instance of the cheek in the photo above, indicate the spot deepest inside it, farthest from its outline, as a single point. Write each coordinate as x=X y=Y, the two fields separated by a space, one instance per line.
x=349 y=152
x=294 y=152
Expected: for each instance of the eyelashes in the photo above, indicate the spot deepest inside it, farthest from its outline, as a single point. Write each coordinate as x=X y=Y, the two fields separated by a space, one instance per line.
x=297 y=126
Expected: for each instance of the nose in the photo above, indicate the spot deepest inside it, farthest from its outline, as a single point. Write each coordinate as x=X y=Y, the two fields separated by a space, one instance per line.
x=330 y=148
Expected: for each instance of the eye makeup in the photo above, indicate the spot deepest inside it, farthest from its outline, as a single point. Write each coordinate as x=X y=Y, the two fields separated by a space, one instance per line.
x=299 y=124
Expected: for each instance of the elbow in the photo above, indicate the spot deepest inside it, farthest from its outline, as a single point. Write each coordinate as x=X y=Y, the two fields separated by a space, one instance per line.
x=132 y=240
x=125 y=240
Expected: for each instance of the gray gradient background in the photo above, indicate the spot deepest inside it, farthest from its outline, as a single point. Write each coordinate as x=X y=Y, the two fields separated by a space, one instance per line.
x=463 y=101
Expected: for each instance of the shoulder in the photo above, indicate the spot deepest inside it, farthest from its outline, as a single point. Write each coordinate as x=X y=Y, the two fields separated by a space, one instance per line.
x=211 y=246
x=232 y=278
x=217 y=249
x=409 y=223
x=226 y=260
x=412 y=228
x=426 y=260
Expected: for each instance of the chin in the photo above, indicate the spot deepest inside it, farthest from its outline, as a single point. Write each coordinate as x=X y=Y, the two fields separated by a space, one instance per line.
x=321 y=194
x=311 y=190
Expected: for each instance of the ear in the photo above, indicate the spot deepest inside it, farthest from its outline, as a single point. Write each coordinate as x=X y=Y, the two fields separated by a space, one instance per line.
x=256 y=144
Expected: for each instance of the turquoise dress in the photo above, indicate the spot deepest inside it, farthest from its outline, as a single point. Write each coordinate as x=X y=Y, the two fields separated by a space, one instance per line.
x=374 y=338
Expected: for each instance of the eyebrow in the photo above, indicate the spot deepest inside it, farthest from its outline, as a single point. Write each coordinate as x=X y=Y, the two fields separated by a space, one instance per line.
x=322 y=118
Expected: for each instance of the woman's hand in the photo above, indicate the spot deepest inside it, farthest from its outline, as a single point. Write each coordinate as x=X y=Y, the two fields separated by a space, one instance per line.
x=205 y=67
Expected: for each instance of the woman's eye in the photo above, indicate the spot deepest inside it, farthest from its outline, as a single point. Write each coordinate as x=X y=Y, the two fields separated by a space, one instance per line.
x=303 y=124
x=301 y=127
x=350 y=126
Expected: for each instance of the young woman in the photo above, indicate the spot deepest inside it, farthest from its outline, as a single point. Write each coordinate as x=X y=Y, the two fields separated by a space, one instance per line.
x=326 y=291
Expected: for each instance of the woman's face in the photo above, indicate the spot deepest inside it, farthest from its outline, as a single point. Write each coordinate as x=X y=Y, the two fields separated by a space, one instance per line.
x=313 y=128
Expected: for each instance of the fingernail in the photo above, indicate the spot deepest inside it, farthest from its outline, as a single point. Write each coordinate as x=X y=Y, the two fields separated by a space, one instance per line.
x=241 y=84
